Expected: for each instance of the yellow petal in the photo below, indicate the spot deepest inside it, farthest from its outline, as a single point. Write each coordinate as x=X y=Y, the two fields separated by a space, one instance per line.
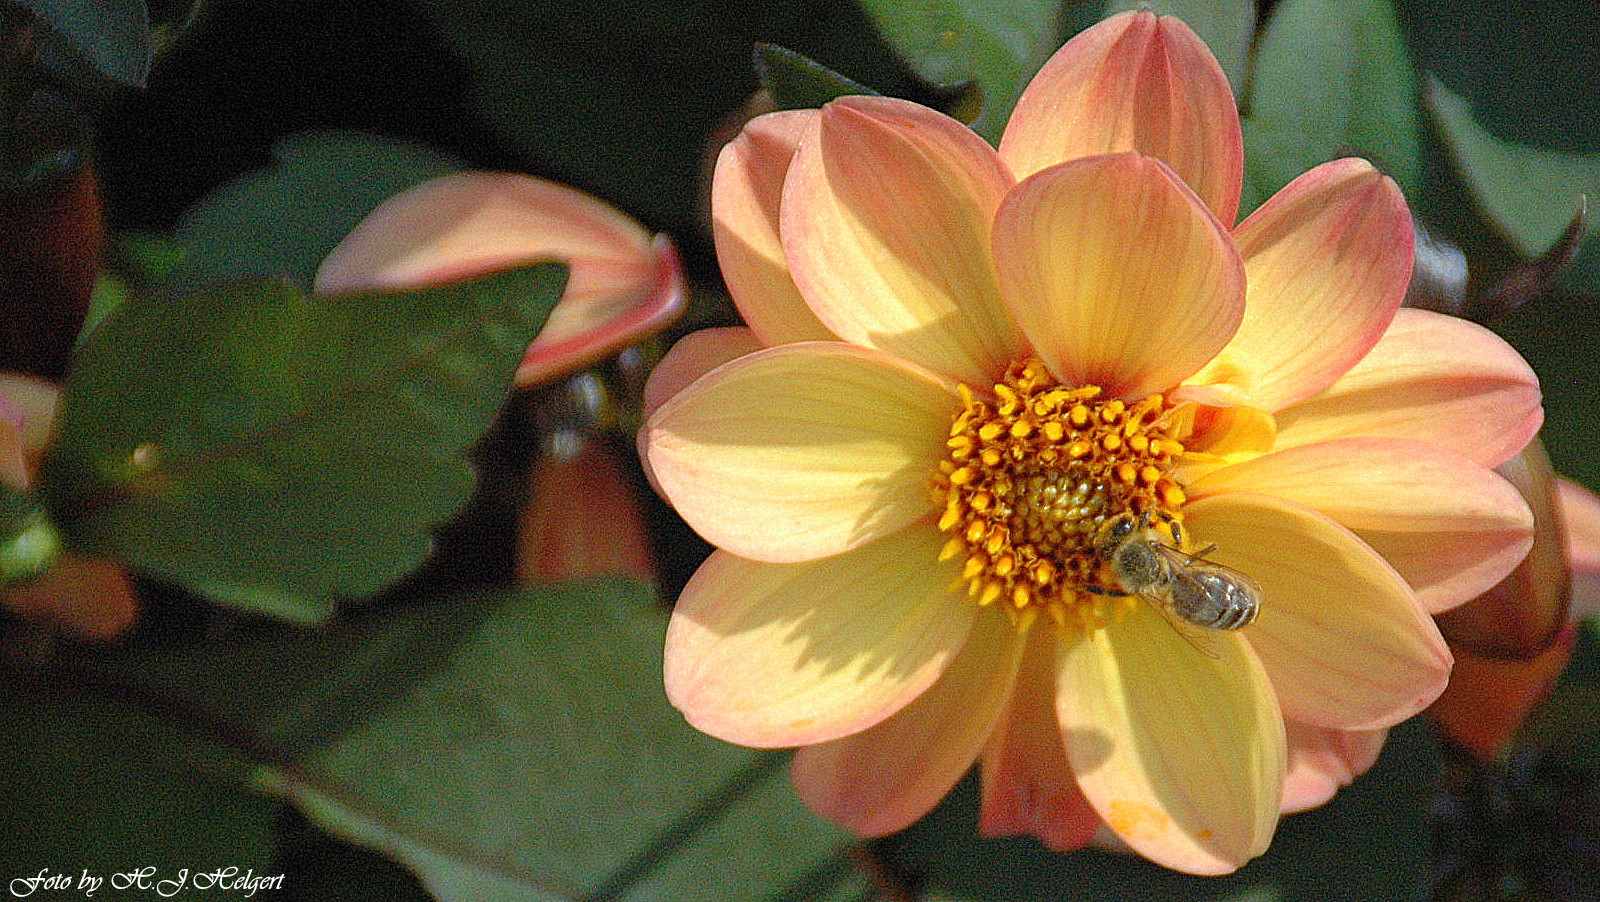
x=1327 y=260
x=880 y=780
x=1180 y=753
x=693 y=356
x=886 y=218
x=1028 y=786
x=1225 y=425
x=1452 y=528
x=745 y=193
x=1342 y=635
x=773 y=655
x=1431 y=378
x=1134 y=82
x=1323 y=761
x=801 y=451
x=1117 y=274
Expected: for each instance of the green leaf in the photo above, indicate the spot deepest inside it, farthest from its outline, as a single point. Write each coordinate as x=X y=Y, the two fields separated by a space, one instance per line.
x=1332 y=78
x=628 y=105
x=94 y=785
x=135 y=263
x=1369 y=843
x=798 y=83
x=1000 y=45
x=1227 y=27
x=281 y=222
x=544 y=762
x=114 y=35
x=277 y=450
x=1530 y=193
x=29 y=542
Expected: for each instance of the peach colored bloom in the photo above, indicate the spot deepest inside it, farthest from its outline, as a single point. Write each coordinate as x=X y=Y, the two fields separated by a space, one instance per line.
x=623 y=283
x=961 y=362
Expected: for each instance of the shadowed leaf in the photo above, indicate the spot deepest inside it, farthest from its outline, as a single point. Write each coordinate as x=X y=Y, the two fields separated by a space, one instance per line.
x=275 y=450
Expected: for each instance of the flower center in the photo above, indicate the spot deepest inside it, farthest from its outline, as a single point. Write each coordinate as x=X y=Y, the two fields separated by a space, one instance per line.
x=1036 y=473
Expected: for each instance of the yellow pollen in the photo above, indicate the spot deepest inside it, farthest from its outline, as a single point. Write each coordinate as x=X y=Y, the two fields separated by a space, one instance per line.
x=1035 y=470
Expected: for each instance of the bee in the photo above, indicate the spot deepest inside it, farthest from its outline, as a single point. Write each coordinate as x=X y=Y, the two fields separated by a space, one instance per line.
x=1197 y=591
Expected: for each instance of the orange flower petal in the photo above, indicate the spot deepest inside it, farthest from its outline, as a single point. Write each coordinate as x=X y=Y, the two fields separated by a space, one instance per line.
x=1344 y=639
x=693 y=356
x=1523 y=613
x=1134 y=82
x=1028 y=786
x=582 y=520
x=92 y=598
x=1327 y=261
x=772 y=655
x=1431 y=378
x=1152 y=773
x=623 y=283
x=1117 y=274
x=886 y=217
x=1488 y=699
x=801 y=451
x=746 y=190
x=1323 y=761
x=880 y=780
x=592 y=322
x=1449 y=526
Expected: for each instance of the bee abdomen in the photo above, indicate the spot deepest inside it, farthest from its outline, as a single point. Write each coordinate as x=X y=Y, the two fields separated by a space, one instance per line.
x=1214 y=600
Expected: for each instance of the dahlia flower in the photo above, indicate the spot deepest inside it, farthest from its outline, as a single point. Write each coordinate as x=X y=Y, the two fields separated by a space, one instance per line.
x=963 y=366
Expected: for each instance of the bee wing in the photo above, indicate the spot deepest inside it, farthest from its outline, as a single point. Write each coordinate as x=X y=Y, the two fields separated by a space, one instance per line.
x=1203 y=641
x=1180 y=562
x=1222 y=597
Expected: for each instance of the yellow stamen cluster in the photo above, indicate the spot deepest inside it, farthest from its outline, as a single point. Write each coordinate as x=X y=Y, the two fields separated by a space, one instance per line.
x=1035 y=470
